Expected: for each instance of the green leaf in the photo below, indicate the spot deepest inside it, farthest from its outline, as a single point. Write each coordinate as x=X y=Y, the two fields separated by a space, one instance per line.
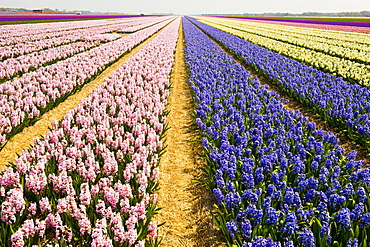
x=335 y=243
x=357 y=231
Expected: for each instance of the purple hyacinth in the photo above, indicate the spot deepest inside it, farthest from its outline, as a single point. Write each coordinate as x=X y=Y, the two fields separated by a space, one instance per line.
x=324 y=229
x=362 y=194
x=344 y=217
x=312 y=183
x=263 y=242
x=232 y=228
x=352 y=242
x=289 y=244
x=290 y=224
x=348 y=190
x=365 y=219
x=246 y=228
x=219 y=195
x=307 y=238
x=357 y=212
x=250 y=196
x=232 y=200
x=273 y=217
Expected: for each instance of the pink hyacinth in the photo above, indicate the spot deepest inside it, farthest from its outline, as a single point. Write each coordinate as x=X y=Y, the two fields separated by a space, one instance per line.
x=17 y=239
x=44 y=205
x=85 y=196
x=32 y=209
x=14 y=204
x=92 y=158
x=9 y=177
x=152 y=228
x=99 y=235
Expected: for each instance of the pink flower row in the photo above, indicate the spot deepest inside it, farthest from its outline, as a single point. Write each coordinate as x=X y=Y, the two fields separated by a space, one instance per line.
x=92 y=179
x=26 y=98
x=13 y=66
x=133 y=27
x=56 y=38
x=31 y=29
x=13 y=34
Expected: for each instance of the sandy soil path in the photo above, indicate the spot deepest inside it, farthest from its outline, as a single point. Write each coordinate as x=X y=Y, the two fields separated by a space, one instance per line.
x=185 y=203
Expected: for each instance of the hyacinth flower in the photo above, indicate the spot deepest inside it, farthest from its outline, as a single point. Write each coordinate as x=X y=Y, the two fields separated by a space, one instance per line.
x=23 y=100
x=276 y=176
x=344 y=105
x=337 y=53
x=18 y=40
x=92 y=180
x=13 y=67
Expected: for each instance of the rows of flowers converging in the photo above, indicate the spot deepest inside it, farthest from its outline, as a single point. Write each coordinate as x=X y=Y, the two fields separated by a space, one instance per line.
x=31 y=46
x=57 y=38
x=318 y=26
x=133 y=27
x=343 y=45
x=278 y=180
x=32 y=31
x=12 y=67
x=91 y=181
x=23 y=100
x=350 y=63
x=14 y=34
x=342 y=39
x=344 y=105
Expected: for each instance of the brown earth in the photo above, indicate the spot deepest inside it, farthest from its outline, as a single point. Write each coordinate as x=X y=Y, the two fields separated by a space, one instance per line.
x=24 y=139
x=186 y=204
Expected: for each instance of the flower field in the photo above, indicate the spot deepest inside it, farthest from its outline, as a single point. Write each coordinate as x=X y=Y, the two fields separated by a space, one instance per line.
x=277 y=178
x=94 y=179
x=325 y=26
x=71 y=186
x=343 y=54
x=22 y=103
x=340 y=103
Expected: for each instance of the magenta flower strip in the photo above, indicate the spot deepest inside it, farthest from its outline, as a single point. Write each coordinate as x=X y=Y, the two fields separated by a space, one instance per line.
x=91 y=181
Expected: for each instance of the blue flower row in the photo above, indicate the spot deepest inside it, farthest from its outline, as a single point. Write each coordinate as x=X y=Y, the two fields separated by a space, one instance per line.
x=278 y=180
x=344 y=105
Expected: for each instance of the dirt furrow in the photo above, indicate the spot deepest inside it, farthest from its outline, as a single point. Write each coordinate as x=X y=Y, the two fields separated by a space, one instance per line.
x=185 y=203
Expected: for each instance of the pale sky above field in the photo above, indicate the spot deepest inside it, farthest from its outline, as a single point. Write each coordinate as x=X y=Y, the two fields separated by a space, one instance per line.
x=194 y=6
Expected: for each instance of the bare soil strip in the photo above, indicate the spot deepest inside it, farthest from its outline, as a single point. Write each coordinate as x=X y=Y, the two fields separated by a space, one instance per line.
x=348 y=144
x=185 y=203
x=24 y=139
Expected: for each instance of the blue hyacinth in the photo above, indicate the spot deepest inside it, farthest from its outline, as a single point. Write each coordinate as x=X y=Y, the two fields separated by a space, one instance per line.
x=232 y=228
x=307 y=238
x=344 y=217
x=290 y=224
x=270 y=166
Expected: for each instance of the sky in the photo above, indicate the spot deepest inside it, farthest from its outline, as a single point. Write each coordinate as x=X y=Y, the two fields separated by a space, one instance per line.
x=183 y=7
